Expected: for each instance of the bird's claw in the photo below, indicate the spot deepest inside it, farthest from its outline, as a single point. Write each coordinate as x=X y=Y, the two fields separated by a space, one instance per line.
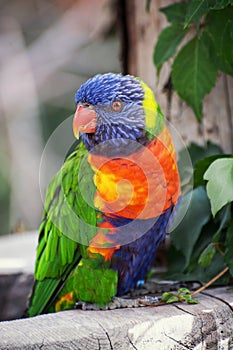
x=82 y=305
x=116 y=303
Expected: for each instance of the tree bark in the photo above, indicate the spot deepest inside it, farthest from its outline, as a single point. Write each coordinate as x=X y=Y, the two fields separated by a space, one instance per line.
x=142 y=29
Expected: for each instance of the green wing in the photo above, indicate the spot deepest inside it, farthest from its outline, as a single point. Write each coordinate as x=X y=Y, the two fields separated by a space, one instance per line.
x=68 y=224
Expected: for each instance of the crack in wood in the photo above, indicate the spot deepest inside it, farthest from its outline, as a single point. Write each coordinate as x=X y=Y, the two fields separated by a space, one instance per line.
x=42 y=344
x=218 y=298
x=110 y=343
x=108 y=337
x=130 y=341
x=208 y=324
x=99 y=344
x=187 y=312
x=177 y=341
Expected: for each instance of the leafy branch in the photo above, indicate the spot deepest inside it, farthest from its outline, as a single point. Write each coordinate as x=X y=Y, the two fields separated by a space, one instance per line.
x=199 y=40
x=202 y=244
x=183 y=295
x=210 y=49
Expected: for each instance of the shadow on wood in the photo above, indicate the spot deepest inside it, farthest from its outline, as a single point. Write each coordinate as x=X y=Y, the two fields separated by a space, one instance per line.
x=17 y=256
x=14 y=292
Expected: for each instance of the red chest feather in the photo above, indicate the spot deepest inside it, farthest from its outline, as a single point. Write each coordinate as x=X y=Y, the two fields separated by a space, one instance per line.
x=142 y=185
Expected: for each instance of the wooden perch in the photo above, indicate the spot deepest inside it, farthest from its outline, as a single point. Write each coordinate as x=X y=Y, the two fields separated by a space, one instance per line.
x=207 y=325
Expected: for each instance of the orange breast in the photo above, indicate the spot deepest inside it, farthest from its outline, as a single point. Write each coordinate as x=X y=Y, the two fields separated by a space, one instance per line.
x=142 y=185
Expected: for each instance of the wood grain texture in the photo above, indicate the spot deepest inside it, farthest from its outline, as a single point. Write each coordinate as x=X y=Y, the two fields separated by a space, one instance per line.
x=143 y=31
x=207 y=325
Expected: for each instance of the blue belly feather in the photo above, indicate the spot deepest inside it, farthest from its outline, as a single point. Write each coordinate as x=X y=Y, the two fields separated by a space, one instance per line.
x=134 y=260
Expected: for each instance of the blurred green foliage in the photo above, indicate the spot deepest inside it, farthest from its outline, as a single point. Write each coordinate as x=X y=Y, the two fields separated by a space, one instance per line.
x=201 y=246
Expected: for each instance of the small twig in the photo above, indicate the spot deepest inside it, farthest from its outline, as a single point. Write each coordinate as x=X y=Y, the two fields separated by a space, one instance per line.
x=220 y=274
x=217 y=247
x=199 y=290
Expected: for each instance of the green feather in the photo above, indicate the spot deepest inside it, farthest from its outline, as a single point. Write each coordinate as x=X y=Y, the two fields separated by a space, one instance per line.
x=69 y=223
x=93 y=283
x=42 y=288
x=58 y=254
x=52 y=242
x=46 y=229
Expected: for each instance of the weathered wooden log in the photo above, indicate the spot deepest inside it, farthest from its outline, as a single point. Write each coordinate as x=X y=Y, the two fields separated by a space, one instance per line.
x=207 y=325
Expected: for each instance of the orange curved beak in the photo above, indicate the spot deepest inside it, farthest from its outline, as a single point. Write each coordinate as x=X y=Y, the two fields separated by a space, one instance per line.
x=85 y=120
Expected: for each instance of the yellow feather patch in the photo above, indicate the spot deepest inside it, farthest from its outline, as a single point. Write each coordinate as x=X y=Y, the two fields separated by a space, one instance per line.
x=150 y=107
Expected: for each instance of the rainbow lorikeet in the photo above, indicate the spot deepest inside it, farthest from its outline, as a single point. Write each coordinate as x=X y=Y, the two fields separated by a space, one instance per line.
x=107 y=209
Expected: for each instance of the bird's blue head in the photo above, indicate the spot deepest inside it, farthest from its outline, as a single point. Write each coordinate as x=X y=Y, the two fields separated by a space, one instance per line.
x=110 y=107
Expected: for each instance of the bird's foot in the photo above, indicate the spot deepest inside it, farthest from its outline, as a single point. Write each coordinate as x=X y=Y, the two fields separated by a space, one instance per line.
x=82 y=305
x=146 y=300
x=150 y=300
x=116 y=303
x=119 y=303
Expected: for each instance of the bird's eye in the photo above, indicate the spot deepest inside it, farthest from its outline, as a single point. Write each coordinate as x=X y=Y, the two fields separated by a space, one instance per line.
x=86 y=104
x=117 y=106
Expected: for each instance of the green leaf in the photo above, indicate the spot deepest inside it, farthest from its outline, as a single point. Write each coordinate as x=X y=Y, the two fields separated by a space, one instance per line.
x=167 y=43
x=220 y=4
x=193 y=301
x=218 y=60
x=183 y=291
x=207 y=255
x=198 y=152
x=219 y=27
x=224 y=217
x=197 y=8
x=196 y=272
x=201 y=167
x=166 y=296
x=173 y=299
x=174 y=268
x=220 y=183
x=193 y=74
x=183 y=295
x=175 y=13
x=229 y=248
x=224 y=65
x=186 y=297
x=187 y=233
x=148 y=5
